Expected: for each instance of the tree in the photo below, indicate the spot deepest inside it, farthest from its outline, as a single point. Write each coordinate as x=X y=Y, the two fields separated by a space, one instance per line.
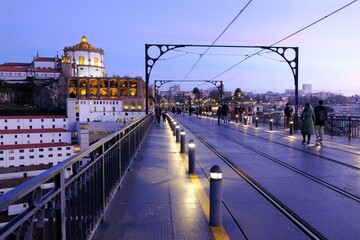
x=196 y=92
x=238 y=93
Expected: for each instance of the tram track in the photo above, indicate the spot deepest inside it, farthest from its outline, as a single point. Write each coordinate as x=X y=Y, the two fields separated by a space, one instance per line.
x=306 y=151
x=287 y=212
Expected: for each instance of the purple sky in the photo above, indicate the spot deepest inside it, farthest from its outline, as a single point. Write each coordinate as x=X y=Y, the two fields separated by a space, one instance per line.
x=328 y=51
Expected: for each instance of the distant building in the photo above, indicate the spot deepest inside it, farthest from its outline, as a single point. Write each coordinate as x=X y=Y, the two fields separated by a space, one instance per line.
x=40 y=68
x=83 y=60
x=307 y=88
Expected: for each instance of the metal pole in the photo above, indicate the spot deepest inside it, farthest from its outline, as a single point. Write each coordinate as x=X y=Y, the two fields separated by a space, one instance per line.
x=182 y=141
x=215 y=195
x=177 y=133
x=191 y=156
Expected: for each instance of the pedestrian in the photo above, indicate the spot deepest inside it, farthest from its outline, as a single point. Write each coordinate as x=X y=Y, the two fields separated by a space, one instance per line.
x=288 y=115
x=320 y=119
x=308 y=118
x=224 y=112
x=157 y=114
x=250 y=113
x=173 y=110
x=219 y=114
x=163 y=113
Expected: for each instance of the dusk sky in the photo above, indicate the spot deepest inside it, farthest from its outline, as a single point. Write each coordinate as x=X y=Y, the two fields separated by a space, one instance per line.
x=328 y=50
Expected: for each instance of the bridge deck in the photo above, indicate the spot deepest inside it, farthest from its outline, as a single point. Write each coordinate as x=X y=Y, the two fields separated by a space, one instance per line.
x=158 y=199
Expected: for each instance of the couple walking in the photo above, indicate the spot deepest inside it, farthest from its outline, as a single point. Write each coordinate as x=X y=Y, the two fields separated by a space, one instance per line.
x=313 y=121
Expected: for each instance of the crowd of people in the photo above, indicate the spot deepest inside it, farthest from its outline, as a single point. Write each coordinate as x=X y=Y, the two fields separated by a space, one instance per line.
x=313 y=119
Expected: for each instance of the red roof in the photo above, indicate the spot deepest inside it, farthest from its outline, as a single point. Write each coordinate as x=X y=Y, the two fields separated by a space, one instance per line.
x=13 y=64
x=33 y=117
x=38 y=130
x=44 y=59
x=34 y=145
x=12 y=69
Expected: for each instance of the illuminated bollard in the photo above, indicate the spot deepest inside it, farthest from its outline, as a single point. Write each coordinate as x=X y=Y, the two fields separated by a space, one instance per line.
x=291 y=127
x=191 y=156
x=245 y=120
x=271 y=124
x=177 y=133
x=215 y=195
x=256 y=121
x=174 y=128
x=182 y=141
x=236 y=118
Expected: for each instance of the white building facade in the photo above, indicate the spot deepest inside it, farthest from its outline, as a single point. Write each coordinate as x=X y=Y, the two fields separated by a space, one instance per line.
x=34 y=140
x=84 y=60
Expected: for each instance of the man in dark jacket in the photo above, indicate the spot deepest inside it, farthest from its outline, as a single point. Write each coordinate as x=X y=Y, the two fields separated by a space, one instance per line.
x=320 y=119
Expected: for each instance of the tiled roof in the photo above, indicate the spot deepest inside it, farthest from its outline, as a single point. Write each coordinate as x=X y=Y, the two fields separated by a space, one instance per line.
x=34 y=145
x=38 y=130
x=33 y=117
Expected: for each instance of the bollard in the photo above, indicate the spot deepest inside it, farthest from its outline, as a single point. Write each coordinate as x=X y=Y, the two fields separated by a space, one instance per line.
x=191 y=156
x=271 y=124
x=177 y=133
x=215 y=195
x=256 y=121
x=236 y=118
x=182 y=141
x=245 y=120
x=174 y=128
x=291 y=127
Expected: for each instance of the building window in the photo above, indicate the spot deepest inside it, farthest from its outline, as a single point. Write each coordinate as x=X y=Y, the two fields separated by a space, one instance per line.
x=31 y=150
x=41 y=156
x=53 y=126
x=28 y=135
x=11 y=158
x=1 y=152
x=31 y=156
x=1 y=159
x=50 y=155
x=21 y=150
x=40 y=135
x=59 y=134
x=22 y=157
x=30 y=120
x=50 y=149
x=6 y=127
x=59 y=148
x=68 y=154
x=68 y=148
x=81 y=60
x=30 y=127
x=42 y=126
x=15 y=136
x=59 y=155
x=41 y=149
x=53 y=120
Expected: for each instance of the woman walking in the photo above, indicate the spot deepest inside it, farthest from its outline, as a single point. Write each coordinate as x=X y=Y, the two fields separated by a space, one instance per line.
x=308 y=118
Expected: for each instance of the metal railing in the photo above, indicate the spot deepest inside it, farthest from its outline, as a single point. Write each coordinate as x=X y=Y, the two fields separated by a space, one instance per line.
x=76 y=203
x=343 y=126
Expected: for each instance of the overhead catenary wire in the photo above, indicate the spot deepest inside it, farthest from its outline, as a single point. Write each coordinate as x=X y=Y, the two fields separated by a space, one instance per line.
x=207 y=49
x=287 y=37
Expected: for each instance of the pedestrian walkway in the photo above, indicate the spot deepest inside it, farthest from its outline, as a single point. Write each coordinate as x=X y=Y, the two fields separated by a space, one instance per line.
x=157 y=198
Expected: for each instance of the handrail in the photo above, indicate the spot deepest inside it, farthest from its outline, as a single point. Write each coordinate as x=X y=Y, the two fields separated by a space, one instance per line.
x=77 y=202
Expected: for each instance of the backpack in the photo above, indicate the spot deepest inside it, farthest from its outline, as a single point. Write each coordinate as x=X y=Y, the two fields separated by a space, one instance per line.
x=322 y=115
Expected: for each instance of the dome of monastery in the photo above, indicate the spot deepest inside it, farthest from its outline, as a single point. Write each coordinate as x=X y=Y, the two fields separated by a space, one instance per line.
x=84 y=45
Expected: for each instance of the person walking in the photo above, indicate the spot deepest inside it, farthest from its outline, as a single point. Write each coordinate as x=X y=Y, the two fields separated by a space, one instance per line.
x=308 y=118
x=157 y=114
x=219 y=114
x=288 y=115
x=320 y=119
x=224 y=112
x=250 y=113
